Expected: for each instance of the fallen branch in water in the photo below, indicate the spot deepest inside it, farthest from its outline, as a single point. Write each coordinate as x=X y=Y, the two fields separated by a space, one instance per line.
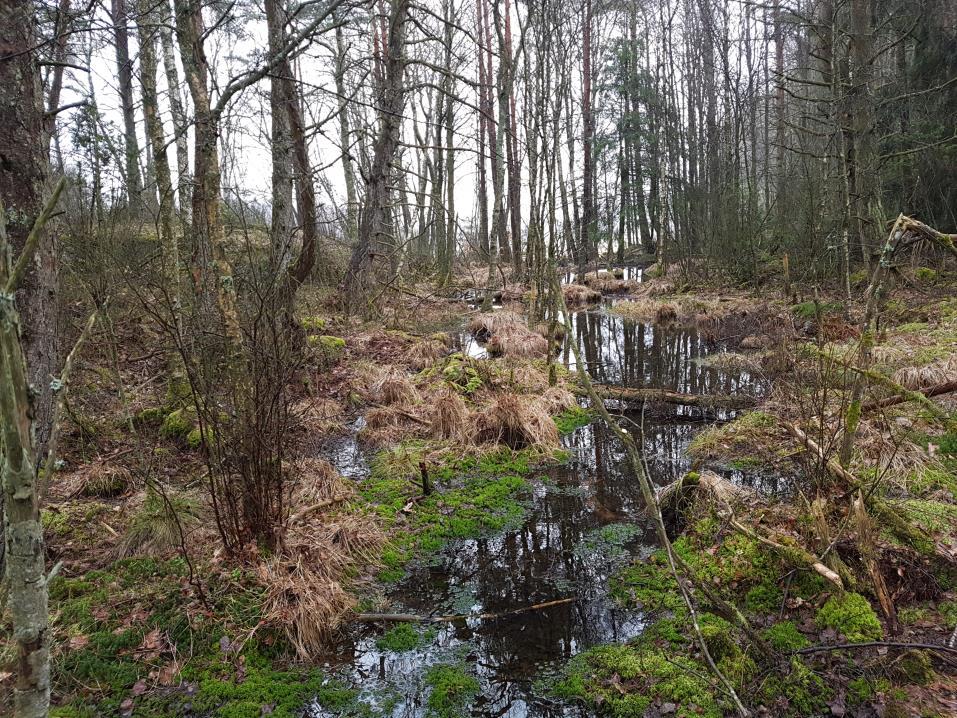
x=665 y=396
x=412 y=618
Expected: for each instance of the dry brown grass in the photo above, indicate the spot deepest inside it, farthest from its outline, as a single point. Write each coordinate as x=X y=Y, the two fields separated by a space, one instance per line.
x=938 y=372
x=424 y=354
x=517 y=341
x=315 y=480
x=557 y=400
x=101 y=480
x=305 y=587
x=397 y=389
x=607 y=283
x=486 y=324
x=450 y=418
x=517 y=421
x=579 y=294
x=318 y=416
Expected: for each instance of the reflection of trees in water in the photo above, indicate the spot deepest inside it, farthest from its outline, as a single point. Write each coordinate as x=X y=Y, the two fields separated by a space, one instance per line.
x=623 y=351
x=538 y=561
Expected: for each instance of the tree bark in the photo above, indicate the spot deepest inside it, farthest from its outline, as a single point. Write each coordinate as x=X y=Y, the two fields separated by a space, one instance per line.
x=375 y=219
x=124 y=73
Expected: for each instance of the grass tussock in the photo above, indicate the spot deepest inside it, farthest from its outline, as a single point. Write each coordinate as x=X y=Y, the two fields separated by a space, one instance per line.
x=424 y=354
x=450 y=418
x=517 y=421
x=396 y=389
x=105 y=481
x=607 y=283
x=306 y=585
x=557 y=400
x=577 y=295
x=482 y=326
x=316 y=480
x=922 y=377
x=507 y=335
x=517 y=341
x=318 y=416
x=162 y=523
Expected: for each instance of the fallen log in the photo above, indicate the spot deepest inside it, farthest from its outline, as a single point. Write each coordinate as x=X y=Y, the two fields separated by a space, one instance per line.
x=947 y=387
x=413 y=618
x=666 y=396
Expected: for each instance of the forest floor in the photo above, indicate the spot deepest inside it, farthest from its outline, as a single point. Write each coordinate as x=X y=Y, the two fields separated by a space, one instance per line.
x=149 y=618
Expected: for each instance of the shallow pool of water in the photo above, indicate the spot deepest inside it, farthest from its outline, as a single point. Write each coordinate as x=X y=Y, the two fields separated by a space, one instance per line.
x=584 y=521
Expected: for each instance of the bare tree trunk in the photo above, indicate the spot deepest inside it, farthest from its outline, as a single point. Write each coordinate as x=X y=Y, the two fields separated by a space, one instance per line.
x=375 y=219
x=280 y=144
x=147 y=24
x=23 y=176
x=345 y=141
x=587 y=229
x=23 y=534
x=124 y=72
x=184 y=181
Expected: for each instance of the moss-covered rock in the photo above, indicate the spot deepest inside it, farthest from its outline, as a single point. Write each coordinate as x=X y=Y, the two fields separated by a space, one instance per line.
x=851 y=615
x=178 y=424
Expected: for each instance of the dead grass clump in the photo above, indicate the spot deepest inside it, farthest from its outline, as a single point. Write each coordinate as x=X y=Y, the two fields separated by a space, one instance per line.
x=389 y=425
x=517 y=421
x=482 y=326
x=557 y=400
x=606 y=282
x=579 y=294
x=160 y=524
x=318 y=416
x=450 y=418
x=666 y=314
x=397 y=389
x=424 y=354
x=518 y=341
x=527 y=377
x=938 y=372
x=105 y=481
x=316 y=480
x=305 y=586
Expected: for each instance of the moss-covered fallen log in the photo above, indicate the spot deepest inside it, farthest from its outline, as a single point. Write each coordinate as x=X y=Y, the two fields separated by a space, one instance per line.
x=665 y=396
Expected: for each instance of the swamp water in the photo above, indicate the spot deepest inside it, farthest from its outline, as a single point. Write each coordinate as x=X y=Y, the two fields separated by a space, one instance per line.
x=583 y=522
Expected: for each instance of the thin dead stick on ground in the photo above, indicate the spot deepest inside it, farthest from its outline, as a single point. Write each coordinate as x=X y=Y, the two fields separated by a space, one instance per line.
x=651 y=501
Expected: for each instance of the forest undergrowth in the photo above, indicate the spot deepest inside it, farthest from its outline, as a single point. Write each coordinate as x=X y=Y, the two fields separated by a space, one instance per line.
x=151 y=619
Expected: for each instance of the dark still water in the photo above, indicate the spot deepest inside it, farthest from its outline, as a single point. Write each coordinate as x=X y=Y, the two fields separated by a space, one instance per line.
x=584 y=522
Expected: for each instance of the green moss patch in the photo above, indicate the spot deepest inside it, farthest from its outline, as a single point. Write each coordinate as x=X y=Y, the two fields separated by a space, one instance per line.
x=451 y=691
x=573 y=418
x=851 y=615
x=624 y=681
x=472 y=496
x=404 y=637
